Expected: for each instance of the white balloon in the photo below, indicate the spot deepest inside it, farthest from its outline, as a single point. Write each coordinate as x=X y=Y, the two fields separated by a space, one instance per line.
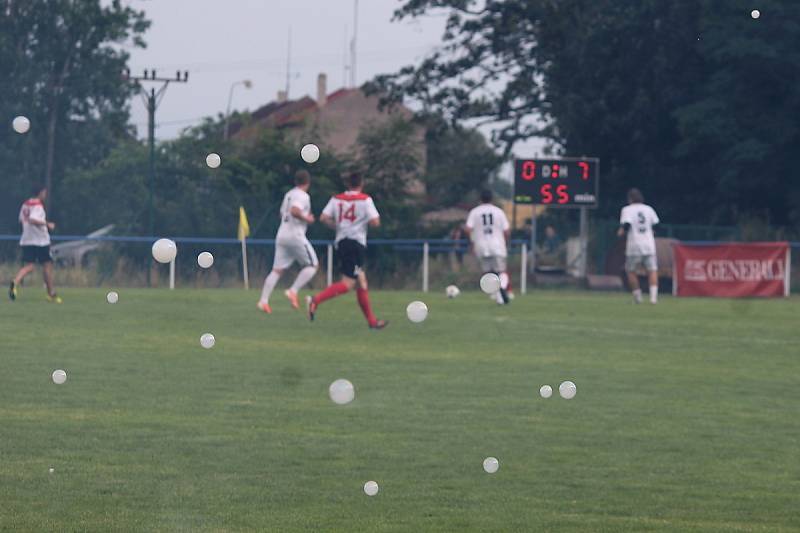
x=21 y=124
x=567 y=390
x=164 y=250
x=205 y=259
x=341 y=392
x=371 y=488
x=59 y=377
x=755 y=13
x=207 y=341
x=491 y=465
x=213 y=160
x=417 y=311
x=545 y=391
x=310 y=153
x=490 y=283
x=112 y=297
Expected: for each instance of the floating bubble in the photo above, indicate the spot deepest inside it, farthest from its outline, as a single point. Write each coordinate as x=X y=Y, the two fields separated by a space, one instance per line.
x=545 y=391
x=371 y=488
x=213 y=160
x=490 y=283
x=310 y=153
x=341 y=392
x=59 y=377
x=112 y=297
x=21 y=124
x=164 y=250
x=417 y=311
x=755 y=13
x=567 y=390
x=205 y=259
x=52 y=470
x=491 y=465
x=207 y=341
x=452 y=291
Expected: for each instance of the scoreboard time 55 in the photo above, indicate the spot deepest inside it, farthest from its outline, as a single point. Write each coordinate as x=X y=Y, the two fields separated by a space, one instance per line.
x=568 y=182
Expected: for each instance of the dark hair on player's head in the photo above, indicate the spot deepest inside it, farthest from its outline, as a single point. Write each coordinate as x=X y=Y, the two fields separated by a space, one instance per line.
x=36 y=189
x=302 y=177
x=354 y=180
x=486 y=196
x=635 y=196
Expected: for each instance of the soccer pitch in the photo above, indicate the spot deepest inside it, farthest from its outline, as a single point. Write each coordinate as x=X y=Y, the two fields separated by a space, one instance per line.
x=686 y=416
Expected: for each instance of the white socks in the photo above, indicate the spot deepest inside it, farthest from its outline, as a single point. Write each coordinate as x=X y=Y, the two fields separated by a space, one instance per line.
x=503 y=280
x=269 y=284
x=303 y=277
x=637 y=296
x=653 y=294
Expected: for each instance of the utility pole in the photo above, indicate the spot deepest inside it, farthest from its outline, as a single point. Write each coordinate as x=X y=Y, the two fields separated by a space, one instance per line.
x=151 y=101
x=354 y=47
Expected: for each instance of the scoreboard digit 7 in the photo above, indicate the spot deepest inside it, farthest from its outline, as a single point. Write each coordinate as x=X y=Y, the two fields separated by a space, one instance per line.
x=568 y=182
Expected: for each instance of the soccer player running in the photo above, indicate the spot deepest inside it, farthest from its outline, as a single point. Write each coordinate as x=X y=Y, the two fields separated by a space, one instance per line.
x=350 y=214
x=35 y=243
x=637 y=220
x=291 y=244
x=489 y=230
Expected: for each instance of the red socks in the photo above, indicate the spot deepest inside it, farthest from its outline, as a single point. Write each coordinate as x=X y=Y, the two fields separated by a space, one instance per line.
x=340 y=288
x=333 y=291
x=363 y=301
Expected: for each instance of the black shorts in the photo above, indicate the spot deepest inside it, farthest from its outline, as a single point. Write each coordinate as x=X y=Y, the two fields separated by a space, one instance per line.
x=352 y=255
x=36 y=254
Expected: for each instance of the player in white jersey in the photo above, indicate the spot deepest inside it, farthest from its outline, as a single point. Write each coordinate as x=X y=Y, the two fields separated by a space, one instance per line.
x=637 y=220
x=350 y=214
x=291 y=244
x=35 y=244
x=488 y=227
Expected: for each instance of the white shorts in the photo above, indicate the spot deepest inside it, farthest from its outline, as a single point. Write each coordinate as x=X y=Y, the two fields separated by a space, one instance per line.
x=493 y=263
x=287 y=252
x=633 y=262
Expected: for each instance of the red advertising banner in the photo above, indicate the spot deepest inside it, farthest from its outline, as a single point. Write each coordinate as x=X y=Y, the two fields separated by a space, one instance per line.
x=732 y=270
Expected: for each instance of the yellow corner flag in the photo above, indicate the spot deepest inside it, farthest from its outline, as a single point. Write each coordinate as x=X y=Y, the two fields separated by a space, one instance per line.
x=244 y=226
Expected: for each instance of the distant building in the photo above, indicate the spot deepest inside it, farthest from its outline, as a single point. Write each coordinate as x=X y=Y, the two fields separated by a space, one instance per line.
x=332 y=121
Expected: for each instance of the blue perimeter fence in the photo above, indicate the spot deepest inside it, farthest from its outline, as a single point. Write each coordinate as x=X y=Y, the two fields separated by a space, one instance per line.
x=425 y=247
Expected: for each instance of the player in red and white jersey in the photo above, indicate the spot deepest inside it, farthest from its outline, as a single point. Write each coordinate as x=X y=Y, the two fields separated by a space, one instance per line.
x=291 y=244
x=350 y=214
x=489 y=230
x=35 y=243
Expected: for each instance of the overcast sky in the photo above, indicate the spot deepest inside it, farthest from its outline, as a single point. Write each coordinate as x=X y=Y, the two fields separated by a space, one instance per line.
x=223 y=41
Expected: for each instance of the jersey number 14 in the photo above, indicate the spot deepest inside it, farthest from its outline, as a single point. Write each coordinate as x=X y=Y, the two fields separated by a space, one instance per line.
x=347 y=214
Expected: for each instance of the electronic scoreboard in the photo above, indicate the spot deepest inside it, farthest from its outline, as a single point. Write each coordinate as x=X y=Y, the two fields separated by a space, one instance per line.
x=568 y=182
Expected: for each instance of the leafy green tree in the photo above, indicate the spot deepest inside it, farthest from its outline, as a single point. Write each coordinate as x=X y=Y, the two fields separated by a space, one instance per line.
x=62 y=62
x=694 y=102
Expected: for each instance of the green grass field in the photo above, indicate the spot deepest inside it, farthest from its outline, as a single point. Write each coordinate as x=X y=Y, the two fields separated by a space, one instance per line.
x=686 y=417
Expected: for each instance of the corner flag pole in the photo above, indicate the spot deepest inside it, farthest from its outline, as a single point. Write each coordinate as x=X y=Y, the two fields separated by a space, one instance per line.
x=244 y=231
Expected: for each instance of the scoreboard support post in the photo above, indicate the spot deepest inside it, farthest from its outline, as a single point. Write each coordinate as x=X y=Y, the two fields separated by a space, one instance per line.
x=584 y=237
x=532 y=265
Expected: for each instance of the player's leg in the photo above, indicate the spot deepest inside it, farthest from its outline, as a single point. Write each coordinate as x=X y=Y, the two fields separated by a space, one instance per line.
x=631 y=264
x=500 y=267
x=362 y=293
x=47 y=271
x=26 y=269
x=282 y=261
x=347 y=264
x=308 y=258
x=652 y=277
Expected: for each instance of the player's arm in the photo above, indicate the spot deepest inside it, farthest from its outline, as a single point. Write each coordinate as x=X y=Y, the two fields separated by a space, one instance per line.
x=374 y=218
x=327 y=220
x=623 y=229
x=374 y=222
x=297 y=213
x=39 y=221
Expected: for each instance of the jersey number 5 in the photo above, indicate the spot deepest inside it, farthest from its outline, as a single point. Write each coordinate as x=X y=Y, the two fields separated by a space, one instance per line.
x=347 y=214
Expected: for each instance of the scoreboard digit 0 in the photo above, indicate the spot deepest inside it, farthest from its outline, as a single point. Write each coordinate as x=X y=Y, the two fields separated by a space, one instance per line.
x=568 y=182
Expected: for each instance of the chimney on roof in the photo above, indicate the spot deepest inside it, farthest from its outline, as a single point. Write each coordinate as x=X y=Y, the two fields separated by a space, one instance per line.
x=282 y=97
x=322 y=89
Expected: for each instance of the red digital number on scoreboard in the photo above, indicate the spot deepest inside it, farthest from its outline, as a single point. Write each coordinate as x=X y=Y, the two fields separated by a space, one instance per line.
x=528 y=170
